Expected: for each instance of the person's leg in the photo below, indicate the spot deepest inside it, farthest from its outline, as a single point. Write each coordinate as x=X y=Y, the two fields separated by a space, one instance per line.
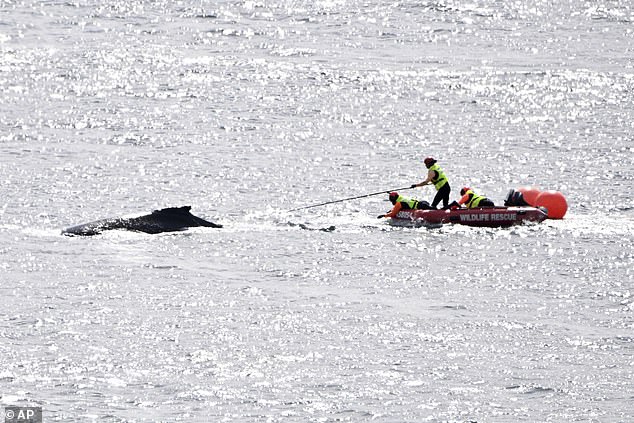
x=454 y=205
x=446 y=191
x=442 y=194
x=437 y=199
x=423 y=205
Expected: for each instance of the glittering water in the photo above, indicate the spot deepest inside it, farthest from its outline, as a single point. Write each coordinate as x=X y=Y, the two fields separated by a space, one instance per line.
x=246 y=110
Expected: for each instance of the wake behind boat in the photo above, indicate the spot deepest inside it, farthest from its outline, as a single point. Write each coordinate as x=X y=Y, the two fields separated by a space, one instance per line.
x=491 y=217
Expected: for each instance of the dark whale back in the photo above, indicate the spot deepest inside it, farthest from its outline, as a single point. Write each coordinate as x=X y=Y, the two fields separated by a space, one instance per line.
x=165 y=220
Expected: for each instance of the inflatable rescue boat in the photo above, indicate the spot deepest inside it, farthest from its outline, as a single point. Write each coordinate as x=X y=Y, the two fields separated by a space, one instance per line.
x=490 y=217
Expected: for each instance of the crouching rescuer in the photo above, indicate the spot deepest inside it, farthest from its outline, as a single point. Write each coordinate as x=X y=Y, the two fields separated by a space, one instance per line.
x=401 y=202
x=471 y=200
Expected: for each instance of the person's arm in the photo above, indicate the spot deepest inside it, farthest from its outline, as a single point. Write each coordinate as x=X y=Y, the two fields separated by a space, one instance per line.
x=464 y=199
x=430 y=175
x=394 y=211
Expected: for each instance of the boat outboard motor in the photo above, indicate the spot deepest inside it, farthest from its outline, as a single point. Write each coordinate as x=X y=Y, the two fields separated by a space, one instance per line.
x=515 y=198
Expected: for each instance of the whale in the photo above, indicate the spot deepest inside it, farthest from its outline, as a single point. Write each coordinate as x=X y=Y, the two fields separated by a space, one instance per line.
x=170 y=219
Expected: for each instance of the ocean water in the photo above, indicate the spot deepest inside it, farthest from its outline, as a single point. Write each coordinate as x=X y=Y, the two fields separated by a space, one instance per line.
x=247 y=109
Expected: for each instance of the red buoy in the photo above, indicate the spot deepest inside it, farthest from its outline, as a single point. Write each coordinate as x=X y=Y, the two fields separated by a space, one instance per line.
x=529 y=194
x=554 y=202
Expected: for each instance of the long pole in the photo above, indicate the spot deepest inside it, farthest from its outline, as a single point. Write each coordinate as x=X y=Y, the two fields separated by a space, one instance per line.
x=350 y=198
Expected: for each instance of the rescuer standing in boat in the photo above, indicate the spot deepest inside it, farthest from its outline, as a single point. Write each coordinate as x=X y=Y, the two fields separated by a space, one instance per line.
x=436 y=176
x=401 y=202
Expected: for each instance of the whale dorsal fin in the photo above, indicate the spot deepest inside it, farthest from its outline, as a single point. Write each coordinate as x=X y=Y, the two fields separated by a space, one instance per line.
x=174 y=210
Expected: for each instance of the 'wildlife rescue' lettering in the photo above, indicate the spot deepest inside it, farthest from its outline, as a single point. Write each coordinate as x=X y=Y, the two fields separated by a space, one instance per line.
x=488 y=217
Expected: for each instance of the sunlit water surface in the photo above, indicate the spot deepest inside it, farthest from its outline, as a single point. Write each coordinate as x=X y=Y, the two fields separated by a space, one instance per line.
x=245 y=110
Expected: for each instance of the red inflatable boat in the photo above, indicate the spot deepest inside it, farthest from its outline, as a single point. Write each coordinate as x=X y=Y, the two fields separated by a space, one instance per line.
x=491 y=217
